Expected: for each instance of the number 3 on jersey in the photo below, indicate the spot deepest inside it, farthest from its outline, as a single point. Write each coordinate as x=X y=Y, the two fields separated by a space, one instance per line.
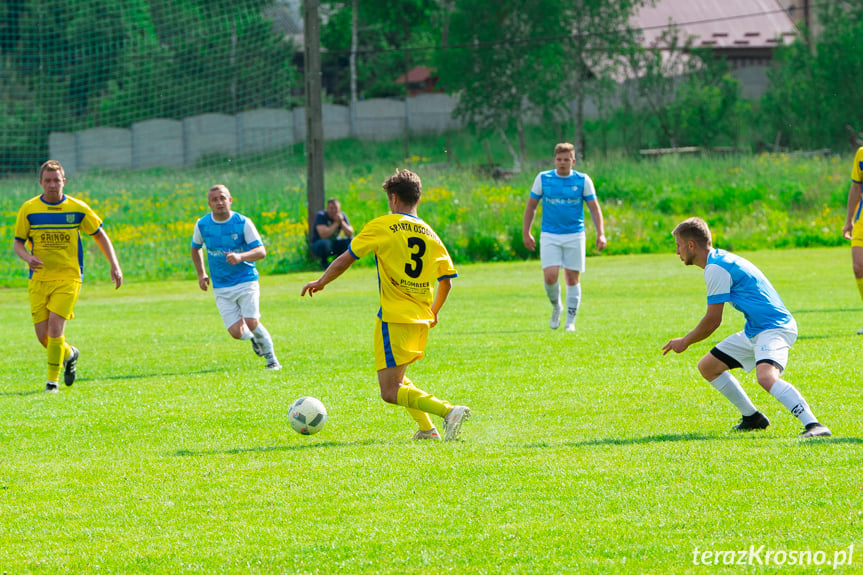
x=418 y=246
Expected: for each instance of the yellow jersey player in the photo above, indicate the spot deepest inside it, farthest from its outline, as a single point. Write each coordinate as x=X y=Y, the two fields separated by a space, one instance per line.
x=853 y=229
x=410 y=258
x=50 y=224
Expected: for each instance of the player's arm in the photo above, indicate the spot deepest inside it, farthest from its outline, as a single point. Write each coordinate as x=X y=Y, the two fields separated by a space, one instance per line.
x=337 y=268
x=853 y=200
x=444 y=286
x=347 y=228
x=709 y=323
x=598 y=223
x=20 y=247
x=108 y=251
x=529 y=215
x=198 y=261
x=253 y=255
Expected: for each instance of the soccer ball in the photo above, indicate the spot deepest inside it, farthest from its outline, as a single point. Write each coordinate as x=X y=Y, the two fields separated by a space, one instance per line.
x=307 y=415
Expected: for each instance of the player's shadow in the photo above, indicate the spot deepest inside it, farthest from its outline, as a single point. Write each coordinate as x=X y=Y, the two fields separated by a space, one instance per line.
x=666 y=438
x=244 y=450
x=146 y=375
x=97 y=379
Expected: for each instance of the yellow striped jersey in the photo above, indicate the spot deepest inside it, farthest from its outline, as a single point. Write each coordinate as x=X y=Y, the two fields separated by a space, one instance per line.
x=51 y=230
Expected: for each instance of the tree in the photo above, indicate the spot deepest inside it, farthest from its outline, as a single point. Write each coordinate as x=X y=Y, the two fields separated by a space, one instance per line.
x=497 y=53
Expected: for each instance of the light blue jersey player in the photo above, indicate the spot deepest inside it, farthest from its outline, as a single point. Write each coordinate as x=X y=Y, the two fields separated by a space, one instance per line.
x=563 y=192
x=763 y=345
x=233 y=246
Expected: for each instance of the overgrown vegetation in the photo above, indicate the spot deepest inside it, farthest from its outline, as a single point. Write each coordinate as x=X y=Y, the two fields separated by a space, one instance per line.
x=751 y=202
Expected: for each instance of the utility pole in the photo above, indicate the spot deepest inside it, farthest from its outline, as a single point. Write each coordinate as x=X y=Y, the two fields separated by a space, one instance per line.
x=314 y=111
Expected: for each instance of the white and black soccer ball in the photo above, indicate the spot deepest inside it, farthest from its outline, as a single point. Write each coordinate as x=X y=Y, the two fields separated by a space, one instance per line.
x=307 y=415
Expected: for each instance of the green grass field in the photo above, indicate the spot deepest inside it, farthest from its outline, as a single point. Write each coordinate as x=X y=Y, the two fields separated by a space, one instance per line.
x=590 y=453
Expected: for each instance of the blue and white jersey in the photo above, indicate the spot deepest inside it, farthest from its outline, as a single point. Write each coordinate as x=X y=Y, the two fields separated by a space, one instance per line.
x=236 y=234
x=731 y=278
x=562 y=200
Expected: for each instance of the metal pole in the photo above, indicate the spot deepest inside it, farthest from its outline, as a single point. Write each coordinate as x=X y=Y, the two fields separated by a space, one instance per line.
x=314 y=111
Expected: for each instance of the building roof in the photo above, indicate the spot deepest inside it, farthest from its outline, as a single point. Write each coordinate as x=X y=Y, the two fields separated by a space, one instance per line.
x=718 y=24
x=416 y=75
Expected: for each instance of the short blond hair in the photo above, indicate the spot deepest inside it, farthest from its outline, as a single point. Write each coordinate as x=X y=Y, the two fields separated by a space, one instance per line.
x=51 y=166
x=694 y=229
x=564 y=148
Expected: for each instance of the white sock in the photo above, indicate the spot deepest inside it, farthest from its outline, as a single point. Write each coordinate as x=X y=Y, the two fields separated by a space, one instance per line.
x=727 y=385
x=246 y=334
x=573 y=298
x=787 y=395
x=263 y=339
x=553 y=293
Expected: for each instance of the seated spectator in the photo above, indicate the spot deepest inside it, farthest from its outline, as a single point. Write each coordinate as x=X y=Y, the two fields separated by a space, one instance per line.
x=327 y=227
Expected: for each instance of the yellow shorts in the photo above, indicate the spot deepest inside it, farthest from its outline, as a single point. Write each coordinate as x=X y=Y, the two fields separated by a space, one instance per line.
x=399 y=343
x=59 y=296
x=857 y=234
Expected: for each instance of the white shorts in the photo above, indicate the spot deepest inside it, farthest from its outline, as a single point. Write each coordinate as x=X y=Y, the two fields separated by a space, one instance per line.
x=770 y=345
x=562 y=250
x=238 y=302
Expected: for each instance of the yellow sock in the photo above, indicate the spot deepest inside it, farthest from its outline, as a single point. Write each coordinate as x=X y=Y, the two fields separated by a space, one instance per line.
x=421 y=417
x=56 y=348
x=860 y=286
x=67 y=349
x=413 y=398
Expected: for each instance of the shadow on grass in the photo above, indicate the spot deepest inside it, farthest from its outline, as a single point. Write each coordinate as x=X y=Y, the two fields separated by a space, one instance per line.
x=242 y=450
x=662 y=438
x=92 y=380
x=670 y=438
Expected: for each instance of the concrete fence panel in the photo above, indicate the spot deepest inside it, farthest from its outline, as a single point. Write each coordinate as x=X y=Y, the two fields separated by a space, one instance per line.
x=380 y=119
x=157 y=143
x=210 y=134
x=105 y=148
x=265 y=129
x=63 y=147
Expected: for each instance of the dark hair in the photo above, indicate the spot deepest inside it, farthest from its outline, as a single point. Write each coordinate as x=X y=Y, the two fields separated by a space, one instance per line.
x=406 y=185
x=694 y=229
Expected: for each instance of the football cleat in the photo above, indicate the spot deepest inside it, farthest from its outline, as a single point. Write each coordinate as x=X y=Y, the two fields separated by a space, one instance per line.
x=750 y=422
x=70 y=373
x=427 y=434
x=555 y=316
x=453 y=420
x=257 y=348
x=860 y=331
x=815 y=430
x=51 y=387
x=272 y=363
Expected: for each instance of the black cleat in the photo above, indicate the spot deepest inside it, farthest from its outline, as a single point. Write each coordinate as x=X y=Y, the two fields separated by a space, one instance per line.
x=257 y=348
x=815 y=430
x=71 y=364
x=749 y=422
x=51 y=387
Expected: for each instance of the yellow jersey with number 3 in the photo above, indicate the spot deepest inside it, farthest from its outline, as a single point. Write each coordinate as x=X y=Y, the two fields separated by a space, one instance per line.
x=410 y=259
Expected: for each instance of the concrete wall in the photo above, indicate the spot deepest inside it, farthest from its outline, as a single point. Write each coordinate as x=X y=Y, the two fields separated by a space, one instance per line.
x=175 y=143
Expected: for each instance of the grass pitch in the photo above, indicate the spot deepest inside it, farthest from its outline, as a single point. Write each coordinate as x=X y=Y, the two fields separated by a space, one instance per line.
x=590 y=453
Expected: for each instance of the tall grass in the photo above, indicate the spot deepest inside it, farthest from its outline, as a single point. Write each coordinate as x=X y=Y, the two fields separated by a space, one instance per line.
x=751 y=202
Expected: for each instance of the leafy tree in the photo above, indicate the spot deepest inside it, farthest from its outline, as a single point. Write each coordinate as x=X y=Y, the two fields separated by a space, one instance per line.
x=814 y=93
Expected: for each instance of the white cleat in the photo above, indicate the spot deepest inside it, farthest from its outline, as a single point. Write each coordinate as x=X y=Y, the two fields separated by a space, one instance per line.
x=272 y=363
x=860 y=331
x=428 y=434
x=556 y=312
x=453 y=420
